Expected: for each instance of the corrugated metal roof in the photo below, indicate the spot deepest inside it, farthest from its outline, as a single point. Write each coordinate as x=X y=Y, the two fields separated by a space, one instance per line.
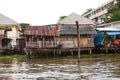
x=72 y=30
x=113 y=32
x=5 y=21
x=47 y=30
x=108 y=29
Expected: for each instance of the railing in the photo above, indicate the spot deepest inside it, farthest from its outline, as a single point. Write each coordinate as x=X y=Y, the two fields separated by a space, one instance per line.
x=32 y=45
x=50 y=44
x=42 y=44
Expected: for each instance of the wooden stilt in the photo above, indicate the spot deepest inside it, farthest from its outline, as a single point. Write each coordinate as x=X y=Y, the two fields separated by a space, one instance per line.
x=90 y=51
x=71 y=52
x=60 y=51
x=54 y=52
x=47 y=55
x=30 y=53
x=106 y=50
x=27 y=53
x=57 y=52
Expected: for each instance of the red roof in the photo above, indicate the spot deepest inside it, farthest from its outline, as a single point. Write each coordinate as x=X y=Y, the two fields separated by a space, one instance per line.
x=48 y=30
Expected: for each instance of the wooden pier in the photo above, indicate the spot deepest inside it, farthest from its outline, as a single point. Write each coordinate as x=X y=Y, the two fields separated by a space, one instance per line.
x=51 y=47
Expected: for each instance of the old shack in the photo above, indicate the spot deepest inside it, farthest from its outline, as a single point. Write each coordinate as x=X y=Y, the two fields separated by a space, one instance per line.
x=61 y=36
x=68 y=36
x=13 y=34
x=40 y=36
x=5 y=42
x=68 y=32
x=107 y=39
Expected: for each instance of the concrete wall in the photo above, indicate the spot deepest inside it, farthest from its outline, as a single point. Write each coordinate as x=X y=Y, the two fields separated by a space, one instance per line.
x=98 y=14
x=14 y=34
x=115 y=24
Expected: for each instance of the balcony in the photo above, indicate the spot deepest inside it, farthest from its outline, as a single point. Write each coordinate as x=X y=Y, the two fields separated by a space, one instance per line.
x=42 y=44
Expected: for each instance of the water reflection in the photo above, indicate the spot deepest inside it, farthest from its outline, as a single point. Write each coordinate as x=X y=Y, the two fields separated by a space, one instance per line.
x=92 y=68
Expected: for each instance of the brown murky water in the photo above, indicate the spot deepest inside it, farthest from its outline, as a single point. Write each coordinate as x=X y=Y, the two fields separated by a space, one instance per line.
x=91 y=68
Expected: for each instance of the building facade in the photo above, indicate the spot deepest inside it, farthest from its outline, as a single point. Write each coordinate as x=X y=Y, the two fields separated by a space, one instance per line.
x=13 y=34
x=63 y=34
x=115 y=24
x=99 y=14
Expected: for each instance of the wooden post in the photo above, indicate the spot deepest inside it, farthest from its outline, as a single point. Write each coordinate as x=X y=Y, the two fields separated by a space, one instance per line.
x=0 y=44
x=71 y=52
x=25 y=41
x=78 y=38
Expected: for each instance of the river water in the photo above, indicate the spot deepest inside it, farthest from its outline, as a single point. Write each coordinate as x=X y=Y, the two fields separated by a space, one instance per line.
x=91 y=68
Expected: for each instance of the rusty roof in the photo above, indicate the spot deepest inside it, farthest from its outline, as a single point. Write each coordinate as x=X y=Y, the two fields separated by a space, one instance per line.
x=47 y=30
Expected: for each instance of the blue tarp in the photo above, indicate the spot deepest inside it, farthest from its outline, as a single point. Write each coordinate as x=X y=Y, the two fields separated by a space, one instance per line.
x=98 y=38
x=101 y=31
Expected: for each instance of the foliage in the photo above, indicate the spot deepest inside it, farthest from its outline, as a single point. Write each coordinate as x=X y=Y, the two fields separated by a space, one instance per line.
x=114 y=13
x=18 y=56
x=62 y=17
x=23 y=25
x=87 y=11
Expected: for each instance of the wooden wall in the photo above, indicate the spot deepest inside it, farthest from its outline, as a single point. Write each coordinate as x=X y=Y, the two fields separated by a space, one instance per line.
x=71 y=41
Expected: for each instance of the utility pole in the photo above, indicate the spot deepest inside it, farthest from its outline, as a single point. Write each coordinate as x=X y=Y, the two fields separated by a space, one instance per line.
x=78 y=39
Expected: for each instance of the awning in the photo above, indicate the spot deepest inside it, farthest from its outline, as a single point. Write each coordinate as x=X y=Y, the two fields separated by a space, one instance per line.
x=108 y=29
x=113 y=33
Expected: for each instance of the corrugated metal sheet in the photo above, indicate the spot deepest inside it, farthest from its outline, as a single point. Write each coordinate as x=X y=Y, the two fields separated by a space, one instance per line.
x=5 y=21
x=108 y=29
x=56 y=30
x=72 y=30
x=48 y=30
x=113 y=33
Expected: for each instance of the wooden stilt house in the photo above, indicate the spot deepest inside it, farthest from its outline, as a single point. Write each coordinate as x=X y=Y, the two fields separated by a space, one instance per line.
x=5 y=42
x=68 y=36
x=13 y=34
x=61 y=36
x=40 y=36
x=68 y=32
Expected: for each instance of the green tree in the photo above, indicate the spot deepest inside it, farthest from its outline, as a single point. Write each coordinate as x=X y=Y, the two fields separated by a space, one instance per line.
x=87 y=11
x=113 y=13
x=62 y=17
x=23 y=25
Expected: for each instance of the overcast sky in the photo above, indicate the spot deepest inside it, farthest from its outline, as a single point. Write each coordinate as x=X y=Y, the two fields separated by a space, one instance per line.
x=43 y=12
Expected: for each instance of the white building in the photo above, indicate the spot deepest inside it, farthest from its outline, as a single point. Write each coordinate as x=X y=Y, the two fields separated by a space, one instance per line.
x=6 y=22
x=99 y=14
x=115 y=24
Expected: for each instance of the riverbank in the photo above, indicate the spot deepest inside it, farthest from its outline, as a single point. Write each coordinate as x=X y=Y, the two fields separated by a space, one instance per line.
x=11 y=56
x=83 y=55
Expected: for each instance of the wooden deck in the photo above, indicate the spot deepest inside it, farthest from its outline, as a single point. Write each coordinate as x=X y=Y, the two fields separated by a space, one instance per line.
x=53 y=47
x=57 y=48
x=42 y=44
x=53 y=50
